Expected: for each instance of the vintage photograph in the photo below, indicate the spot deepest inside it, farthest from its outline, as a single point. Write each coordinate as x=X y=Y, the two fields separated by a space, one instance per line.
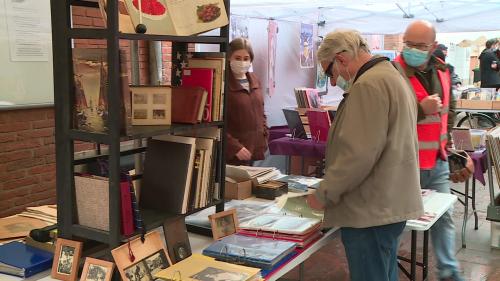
x=140 y=98
x=216 y=274
x=65 y=260
x=158 y=113
x=138 y=272
x=156 y=262
x=140 y=114
x=97 y=270
x=224 y=223
x=159 y=98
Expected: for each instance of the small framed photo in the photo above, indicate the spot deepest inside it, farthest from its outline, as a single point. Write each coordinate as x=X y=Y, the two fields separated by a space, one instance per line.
x=224 y=223
x=66 y=258
x=97 y=270
x=151 y=105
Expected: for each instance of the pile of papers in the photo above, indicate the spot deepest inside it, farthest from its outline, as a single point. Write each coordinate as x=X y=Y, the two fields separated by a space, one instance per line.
x=20 y=225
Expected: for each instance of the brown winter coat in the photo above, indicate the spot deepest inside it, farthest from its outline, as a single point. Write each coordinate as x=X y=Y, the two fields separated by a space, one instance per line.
x=246 y=121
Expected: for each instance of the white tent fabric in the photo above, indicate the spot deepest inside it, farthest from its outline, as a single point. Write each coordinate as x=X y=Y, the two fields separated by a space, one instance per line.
x=378 y=17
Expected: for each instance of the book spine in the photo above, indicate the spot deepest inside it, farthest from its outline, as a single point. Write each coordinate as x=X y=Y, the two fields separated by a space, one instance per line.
x=127 y=217
x=138 y=223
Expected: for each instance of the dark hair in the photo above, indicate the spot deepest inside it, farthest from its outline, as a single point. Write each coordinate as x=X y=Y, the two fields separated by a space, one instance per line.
x=491 y=42
x=439 y=54
x=240 y=44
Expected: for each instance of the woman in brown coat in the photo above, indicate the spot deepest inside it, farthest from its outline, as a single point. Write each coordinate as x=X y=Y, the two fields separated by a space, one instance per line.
x=246 y=122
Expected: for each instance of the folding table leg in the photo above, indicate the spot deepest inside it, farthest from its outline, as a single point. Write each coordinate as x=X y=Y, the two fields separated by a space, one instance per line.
x=413 y=270
x=425 y=261
x=473 y=197
x=466 y=212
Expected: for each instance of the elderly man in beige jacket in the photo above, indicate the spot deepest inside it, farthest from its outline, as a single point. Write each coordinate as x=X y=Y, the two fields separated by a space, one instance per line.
x=371 y=183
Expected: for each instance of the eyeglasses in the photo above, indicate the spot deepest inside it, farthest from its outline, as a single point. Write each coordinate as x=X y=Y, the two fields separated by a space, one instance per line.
x=329 y=68
x=420 y=46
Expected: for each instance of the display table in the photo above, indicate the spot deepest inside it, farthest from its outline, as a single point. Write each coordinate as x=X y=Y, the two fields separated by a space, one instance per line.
x=436 y=204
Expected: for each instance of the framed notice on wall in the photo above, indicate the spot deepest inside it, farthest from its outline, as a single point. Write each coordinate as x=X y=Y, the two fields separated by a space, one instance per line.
x=25 y=53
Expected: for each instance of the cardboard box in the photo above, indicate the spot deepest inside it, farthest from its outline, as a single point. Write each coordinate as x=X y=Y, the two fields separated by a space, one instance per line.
x=237 y=190
x=495 y=104
x=476 y=104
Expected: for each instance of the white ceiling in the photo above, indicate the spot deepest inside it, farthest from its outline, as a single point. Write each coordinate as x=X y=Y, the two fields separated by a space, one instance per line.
x=378 y=17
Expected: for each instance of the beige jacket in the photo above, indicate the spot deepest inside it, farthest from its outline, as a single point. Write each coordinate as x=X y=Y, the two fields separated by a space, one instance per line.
x=372 y=175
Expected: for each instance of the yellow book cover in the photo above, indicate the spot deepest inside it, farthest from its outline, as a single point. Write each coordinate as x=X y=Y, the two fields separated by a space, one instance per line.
x=178 y=17
x=202 y=268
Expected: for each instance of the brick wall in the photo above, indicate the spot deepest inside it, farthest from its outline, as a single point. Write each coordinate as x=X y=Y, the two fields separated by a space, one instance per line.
x=27 y=149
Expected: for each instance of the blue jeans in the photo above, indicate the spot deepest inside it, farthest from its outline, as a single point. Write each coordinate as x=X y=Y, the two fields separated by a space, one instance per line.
x=443 y=231
x=372 y=252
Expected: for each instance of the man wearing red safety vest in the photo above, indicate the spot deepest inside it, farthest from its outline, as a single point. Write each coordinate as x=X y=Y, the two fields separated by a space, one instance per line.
x=430 y=79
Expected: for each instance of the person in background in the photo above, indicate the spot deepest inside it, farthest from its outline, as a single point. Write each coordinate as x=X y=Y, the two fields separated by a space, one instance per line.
x=371 y=186
x=430 y=79
x=441 y=52
x=489 y=65
x=247 y=130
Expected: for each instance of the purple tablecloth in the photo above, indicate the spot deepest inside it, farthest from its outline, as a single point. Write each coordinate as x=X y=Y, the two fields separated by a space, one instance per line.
x=277 y=132
x=310 y=148
x=297 y=147
x=479 y=158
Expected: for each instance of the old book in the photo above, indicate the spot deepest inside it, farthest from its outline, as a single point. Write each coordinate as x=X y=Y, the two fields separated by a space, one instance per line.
x=188 y=104
x=178 y=17
x=319 y=124
x=90 y=69
x=217 y=62
x=201 y=77
x=168 y=168
x=176 y=238
x=18 y=226
x=150 y=257
x=199 y=267
x=151 y=105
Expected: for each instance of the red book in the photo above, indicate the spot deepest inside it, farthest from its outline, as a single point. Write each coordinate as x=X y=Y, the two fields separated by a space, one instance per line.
x=201 y=77
x=127 y=217
x=319 y=124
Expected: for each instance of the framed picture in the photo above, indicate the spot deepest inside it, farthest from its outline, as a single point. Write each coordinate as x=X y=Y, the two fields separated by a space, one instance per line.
x=151 y=105
x=224 y=223
x=148 y=259
x=66 y=259
x=97 y=270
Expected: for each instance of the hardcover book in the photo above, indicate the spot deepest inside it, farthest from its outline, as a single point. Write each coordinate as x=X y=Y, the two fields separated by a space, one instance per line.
x=201 y=77
x=319 y=123
x=22 y=260
x=188 y=104
x=177 y=17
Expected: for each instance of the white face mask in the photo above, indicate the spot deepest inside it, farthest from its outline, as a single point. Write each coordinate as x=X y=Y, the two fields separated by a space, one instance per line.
x=240 y=67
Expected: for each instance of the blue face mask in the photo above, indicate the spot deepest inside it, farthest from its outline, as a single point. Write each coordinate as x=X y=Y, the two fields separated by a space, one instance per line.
x=342 y=83
x=415 y=57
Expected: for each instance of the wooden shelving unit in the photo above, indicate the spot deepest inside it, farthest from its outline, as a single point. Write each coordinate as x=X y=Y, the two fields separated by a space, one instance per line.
x=66 y=135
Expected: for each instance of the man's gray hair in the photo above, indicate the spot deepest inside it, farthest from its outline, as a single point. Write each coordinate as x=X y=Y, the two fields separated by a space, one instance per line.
x=342 y=40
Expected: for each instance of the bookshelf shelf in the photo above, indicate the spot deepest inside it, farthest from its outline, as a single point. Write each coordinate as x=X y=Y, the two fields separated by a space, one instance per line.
x=67 y=135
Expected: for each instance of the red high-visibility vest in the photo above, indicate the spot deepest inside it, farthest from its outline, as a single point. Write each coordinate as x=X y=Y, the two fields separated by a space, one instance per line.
x=433 y=130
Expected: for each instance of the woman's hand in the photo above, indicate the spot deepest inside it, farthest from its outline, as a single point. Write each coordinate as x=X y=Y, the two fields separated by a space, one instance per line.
x=244 y=154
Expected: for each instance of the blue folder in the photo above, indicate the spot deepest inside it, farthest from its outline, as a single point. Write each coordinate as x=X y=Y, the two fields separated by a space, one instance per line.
x=22 y=260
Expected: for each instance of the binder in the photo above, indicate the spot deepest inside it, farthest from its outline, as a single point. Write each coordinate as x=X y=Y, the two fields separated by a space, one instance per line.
x=22 y=260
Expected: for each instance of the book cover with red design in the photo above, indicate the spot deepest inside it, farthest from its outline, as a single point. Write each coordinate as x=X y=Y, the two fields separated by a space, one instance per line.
x=201 y=77
x=177 y=17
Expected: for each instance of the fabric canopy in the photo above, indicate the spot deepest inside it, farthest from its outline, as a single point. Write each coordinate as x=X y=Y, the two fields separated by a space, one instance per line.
x=378 y=17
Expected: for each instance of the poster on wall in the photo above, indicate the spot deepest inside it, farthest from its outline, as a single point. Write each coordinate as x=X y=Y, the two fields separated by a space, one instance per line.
x=272 y=37
x=306 y=46
x=239 y=27
x=28 y=30
x=321 y=80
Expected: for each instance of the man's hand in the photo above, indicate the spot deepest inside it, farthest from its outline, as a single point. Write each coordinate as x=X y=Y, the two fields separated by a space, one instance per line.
x=314 y=203
x=431 y=104
x=465 y=173
x=244 y=154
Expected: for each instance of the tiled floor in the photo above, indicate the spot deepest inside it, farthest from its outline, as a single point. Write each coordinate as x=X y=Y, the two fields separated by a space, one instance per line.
x=478 y=261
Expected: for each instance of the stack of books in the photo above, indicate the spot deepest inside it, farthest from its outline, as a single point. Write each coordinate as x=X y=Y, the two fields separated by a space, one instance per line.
x=307 y=98
x=258 y=175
